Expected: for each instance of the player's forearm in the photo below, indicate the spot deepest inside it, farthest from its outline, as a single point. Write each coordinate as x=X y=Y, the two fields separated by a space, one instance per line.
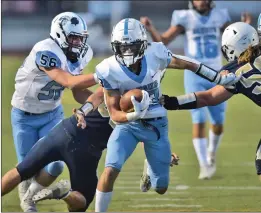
x=212 y=97
x=81 y=81
x=155 y=35
x=93 y=101
x=81 y=95
x=183 y=62
x=97 y=97
x=119 y=117
x=69 y=81
x=189 y=101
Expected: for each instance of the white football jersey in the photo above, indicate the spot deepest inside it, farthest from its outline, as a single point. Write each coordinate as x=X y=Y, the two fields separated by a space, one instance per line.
x=35 y=92
x=113 y=75
x=203 y=37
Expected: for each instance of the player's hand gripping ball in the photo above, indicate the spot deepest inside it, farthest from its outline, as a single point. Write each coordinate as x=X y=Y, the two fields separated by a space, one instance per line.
x=126 y=103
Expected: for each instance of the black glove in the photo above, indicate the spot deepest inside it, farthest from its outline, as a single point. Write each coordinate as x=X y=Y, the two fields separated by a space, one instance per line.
x=170 y=103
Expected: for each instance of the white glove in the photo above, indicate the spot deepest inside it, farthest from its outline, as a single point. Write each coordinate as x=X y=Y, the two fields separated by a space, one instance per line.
x=228 y=79
x=140 y=108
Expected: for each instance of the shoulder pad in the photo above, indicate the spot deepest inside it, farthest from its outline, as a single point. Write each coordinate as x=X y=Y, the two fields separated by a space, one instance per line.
x=106 y=79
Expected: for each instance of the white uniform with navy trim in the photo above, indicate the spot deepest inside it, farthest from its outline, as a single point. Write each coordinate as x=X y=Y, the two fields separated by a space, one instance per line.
x=35 y=92
x=202 y=40
x=113 y=75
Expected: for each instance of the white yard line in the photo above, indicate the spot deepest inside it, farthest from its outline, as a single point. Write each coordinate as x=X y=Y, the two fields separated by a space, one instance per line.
x=153 y=193
x=180 y=188
x=164 y=206
x=244 y=164
x=138 y=182
x=227 y=187
x=162 y=199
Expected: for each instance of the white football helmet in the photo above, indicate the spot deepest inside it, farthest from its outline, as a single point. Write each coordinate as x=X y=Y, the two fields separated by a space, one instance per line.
x=69 y=31
x=259 y=26
x=129 y=41
x=237 y=38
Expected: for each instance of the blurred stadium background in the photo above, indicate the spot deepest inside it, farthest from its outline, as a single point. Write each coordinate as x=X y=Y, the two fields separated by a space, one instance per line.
x=235 y=187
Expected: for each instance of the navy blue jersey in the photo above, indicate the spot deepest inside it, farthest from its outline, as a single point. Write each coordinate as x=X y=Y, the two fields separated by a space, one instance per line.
x=96 y=133
x=250 y=83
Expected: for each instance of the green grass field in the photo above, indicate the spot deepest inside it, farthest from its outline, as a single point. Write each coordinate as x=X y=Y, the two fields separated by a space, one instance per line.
x=235 y=187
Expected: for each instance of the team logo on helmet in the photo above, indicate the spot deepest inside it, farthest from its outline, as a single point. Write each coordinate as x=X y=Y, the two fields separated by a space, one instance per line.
x=74 y=21
x=64 y=19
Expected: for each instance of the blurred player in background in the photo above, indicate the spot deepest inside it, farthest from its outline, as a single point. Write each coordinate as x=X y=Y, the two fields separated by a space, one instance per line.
x=139 y=64
x=201 y=24
x=51 y=66
x=241 y=47
x=259 y=26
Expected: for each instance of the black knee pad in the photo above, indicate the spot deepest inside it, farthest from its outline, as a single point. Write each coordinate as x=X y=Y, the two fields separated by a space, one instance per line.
x=258 y=158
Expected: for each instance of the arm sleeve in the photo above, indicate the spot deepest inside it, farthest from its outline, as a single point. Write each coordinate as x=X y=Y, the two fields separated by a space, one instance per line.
x=104 y=77
x=163 y=54
x=179 y=18
x=47 y=59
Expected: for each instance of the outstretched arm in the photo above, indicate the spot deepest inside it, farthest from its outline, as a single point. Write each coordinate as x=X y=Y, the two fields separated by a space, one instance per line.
x=183 y=62
x=211 y=97
x=165 y=37
x=69 y=81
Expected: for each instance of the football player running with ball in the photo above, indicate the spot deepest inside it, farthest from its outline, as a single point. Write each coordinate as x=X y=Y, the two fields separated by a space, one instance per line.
x=138 y=64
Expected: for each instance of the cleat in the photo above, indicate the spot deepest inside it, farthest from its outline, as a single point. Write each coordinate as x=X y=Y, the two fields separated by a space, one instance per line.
x=145 y=182
x=58 y=191
x=23 y=187
x=206 y=172
x=27 y=204
x=211 y=158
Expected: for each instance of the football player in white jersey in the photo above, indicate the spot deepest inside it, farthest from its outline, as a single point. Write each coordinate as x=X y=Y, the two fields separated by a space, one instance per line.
x=137 y=64
x=201 y=24
x=52 y=65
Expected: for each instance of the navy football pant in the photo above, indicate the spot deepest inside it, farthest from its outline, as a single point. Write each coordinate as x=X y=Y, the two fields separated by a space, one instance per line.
x=59 y=144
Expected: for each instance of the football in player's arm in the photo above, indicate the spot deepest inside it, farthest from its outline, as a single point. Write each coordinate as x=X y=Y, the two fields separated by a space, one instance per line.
x=175 y=62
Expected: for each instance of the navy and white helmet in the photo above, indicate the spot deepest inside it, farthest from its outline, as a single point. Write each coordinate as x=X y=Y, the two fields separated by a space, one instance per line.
x=259 y=26
x=237 y=38
x=69 y=31
x=129 y=41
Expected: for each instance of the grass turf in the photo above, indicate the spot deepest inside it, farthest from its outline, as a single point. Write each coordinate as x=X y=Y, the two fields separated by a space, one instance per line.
x=235 y=187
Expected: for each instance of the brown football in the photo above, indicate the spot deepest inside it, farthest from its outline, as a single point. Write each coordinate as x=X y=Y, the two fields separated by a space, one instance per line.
x=125 y=102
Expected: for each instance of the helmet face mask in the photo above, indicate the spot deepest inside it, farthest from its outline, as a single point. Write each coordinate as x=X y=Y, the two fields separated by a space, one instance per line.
x=128 y=53
x=69 y=31
x=76 y=45
x=228 y=53
x=129 y=41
